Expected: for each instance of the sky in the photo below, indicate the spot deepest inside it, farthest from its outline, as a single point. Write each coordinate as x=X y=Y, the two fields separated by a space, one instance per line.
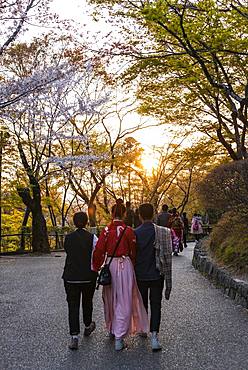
x=80 y=11
x=71 y=9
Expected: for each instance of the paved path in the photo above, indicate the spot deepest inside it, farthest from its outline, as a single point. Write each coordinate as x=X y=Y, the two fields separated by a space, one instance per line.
x=201 y=328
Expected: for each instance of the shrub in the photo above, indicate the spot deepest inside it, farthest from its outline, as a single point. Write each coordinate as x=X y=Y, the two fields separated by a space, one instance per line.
x=225 y=190
x=229 y=241
x=226 y=187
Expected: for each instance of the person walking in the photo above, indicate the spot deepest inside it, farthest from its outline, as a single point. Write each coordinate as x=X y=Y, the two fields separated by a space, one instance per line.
x=153 y=267
x=123 y=307
x=79 y=279
x=185 y=228
x=163 y=217
x=137 y=221
x=176 y=225
x=196 y=226
x=129 y=217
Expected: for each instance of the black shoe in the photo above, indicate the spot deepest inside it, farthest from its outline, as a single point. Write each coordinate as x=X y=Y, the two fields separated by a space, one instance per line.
x=74 y=344
x=90 y=329
x=142 y=334
x=175 y=254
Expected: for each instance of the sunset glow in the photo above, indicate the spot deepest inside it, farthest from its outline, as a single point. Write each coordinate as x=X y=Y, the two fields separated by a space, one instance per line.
x=149 y=162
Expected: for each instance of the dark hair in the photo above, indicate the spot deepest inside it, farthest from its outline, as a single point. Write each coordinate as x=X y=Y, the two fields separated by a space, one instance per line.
x=128 y=204
x=146 y=211
x=174 y=210
x=80 y=219
x=118 y=210
x=165 y=207
x=119 y=201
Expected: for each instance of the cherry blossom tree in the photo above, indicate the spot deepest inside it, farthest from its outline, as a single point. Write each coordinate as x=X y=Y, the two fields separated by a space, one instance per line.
x=16 y=16
x=99 y=148
x=41 y=119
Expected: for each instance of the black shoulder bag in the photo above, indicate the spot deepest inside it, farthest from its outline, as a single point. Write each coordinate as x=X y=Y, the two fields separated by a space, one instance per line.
x=104 y=277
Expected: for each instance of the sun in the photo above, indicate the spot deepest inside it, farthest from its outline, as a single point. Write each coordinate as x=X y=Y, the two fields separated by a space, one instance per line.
x=149 y=162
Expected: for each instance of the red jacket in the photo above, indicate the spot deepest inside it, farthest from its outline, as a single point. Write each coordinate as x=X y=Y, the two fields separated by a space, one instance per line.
x=107 y=242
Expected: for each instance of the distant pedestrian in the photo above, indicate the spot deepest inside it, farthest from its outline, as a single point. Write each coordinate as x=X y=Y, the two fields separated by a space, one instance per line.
x=176 y=225
x=79 y=279
x=119 y=201
x=129 y=218
x=123 y=307
x=153 y=266
x=196 y=226
x=163 y=217
x=137 y=220
x=185 y=228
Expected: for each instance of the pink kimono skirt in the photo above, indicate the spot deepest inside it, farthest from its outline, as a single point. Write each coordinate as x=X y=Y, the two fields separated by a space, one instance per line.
x=123 y=306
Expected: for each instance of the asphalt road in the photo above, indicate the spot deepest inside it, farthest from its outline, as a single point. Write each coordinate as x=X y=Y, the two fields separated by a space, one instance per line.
x=201 y=328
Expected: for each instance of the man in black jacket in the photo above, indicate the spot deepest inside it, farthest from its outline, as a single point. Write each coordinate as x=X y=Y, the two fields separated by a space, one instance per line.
x=163 y=217
x=79 y=279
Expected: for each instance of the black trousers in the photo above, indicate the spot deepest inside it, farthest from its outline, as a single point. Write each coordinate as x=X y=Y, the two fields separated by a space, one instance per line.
x=153 y=288
x=74 y=292
x=185 y=235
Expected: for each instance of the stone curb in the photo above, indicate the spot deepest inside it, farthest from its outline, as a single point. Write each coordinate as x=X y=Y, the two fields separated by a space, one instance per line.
x=234 y=288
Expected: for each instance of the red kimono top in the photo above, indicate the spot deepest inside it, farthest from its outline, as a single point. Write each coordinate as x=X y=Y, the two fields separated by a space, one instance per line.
x=107 y=242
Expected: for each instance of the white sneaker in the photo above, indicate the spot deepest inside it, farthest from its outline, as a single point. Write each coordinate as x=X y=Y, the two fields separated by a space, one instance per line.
x=156 y=346
x=119 y=344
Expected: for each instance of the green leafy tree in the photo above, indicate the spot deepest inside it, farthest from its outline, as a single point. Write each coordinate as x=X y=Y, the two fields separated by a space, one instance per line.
x=191 y=60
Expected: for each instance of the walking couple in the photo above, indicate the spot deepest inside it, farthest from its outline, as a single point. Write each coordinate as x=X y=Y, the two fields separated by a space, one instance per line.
x=141 y=264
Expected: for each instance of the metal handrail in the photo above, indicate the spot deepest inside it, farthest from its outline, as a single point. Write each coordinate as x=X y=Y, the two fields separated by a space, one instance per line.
x=3 y=235
x=10 y=245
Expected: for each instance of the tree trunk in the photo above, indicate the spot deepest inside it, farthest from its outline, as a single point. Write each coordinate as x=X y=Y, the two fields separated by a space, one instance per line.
x=24 y=224
x=63 y=219
x=39 y=231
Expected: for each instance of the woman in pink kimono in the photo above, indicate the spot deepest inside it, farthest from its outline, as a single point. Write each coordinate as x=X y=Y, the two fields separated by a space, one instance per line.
x=123 y=306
